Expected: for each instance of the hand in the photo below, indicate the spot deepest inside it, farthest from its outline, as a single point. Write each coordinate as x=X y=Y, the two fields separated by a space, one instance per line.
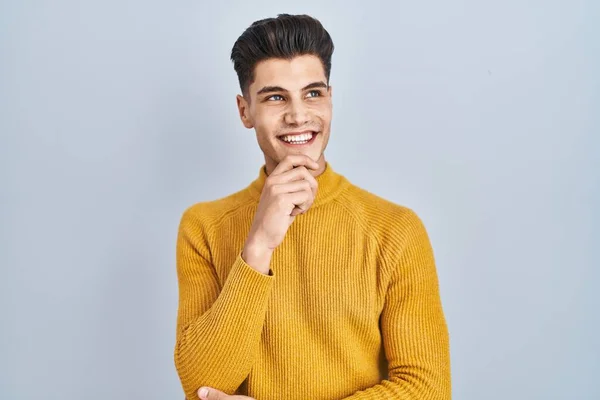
x=206 y=393
x=288 y=191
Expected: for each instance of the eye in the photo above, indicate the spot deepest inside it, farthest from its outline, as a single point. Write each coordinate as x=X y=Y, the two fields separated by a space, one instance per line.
x=314 y=93
x=275 y=97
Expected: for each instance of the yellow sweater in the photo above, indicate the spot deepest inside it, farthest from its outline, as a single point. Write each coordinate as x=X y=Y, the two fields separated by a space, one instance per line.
x=350 y=307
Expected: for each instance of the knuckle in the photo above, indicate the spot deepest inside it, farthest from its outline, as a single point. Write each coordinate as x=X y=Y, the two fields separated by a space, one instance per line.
x=280 y=199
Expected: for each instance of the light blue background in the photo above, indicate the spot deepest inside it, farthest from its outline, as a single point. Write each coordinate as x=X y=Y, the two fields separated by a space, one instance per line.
x=484 y=117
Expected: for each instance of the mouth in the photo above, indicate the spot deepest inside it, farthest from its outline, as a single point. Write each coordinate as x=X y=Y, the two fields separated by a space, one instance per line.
x=298 y=139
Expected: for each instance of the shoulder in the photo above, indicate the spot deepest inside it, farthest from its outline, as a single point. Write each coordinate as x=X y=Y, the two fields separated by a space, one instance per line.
x=390 y=223
x=213 y=212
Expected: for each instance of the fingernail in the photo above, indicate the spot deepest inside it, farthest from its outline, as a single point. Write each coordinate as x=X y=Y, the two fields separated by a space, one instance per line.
x=203 y=393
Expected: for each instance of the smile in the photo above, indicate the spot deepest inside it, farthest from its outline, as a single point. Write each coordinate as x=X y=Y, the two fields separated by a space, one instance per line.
x=298 y=139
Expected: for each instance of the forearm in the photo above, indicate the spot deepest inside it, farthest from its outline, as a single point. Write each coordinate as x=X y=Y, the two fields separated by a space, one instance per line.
x=217 y=348
x=423 y=375
x=386 y=390
x=411 y=386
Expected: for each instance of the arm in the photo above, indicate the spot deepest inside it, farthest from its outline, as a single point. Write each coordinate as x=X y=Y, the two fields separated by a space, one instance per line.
x=218 y=329
x=414 y=330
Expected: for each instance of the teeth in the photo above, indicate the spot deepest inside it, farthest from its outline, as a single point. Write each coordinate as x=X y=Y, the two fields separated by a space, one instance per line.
x=297 y=138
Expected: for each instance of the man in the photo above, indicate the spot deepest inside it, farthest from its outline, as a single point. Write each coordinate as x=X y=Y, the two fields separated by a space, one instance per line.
x=302 y=285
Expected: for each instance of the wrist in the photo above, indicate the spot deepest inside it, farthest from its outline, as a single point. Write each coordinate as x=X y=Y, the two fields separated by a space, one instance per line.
x=257 y=256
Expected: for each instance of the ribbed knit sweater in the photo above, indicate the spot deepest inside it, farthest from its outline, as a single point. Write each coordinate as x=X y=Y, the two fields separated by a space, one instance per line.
x=350 y=307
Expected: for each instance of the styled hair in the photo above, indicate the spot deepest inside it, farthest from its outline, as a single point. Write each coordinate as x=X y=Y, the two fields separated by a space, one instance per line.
x=286 y=36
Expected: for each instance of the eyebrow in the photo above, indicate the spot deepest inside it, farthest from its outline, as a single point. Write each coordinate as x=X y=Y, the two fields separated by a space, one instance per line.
x=270 y=89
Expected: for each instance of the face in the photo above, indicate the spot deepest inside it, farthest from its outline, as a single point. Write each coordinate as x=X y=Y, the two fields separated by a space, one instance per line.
x=289 y=101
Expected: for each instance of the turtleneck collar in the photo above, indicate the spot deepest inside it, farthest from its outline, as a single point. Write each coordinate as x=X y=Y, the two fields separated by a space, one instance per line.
x=331 y=184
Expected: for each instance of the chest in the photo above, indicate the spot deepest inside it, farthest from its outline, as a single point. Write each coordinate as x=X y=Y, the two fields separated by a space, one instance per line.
x=326 y=277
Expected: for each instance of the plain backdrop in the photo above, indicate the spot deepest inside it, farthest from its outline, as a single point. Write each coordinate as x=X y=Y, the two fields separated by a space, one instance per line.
x=482 y=116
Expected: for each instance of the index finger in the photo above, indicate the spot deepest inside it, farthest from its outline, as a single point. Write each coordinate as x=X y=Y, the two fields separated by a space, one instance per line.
x=295 y=160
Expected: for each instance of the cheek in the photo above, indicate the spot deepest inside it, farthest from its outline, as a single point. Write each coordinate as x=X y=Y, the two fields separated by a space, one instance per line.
x=267 y=121
x=323 y=113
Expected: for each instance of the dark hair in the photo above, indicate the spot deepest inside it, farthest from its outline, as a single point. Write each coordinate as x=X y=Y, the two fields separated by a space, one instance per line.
x=286 y=36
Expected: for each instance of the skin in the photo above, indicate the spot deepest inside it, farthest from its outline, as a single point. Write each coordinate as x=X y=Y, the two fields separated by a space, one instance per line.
x=214 y=394
x=304 y=103
x=286 y=96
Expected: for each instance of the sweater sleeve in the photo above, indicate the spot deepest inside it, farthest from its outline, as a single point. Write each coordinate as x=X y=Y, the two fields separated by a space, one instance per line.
x=413 y=326
x=218 y=329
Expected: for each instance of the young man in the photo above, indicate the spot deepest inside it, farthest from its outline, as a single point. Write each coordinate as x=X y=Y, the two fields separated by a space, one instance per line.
x=303 y=285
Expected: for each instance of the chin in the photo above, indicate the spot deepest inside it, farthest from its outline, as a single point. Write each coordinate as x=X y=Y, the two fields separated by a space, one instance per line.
x=312 y=153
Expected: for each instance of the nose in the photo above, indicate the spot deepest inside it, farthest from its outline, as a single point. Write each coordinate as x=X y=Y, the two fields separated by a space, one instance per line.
x=296 y=113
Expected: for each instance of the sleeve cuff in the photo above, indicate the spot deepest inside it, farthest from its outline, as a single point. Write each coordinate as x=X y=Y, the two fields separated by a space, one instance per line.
x=246 y=291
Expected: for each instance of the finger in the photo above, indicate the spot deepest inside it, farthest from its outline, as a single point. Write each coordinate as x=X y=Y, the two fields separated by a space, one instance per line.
x=292 y=187
x=295 y=204
x=207 y=393
x=297 y=173
x=302 y=200
x=294 y=160
x=296 y=211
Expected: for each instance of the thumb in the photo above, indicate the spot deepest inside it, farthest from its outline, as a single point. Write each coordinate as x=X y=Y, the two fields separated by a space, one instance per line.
x=207 y=393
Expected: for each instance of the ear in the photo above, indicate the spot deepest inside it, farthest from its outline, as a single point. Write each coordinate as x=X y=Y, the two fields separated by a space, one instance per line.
x=244 y=111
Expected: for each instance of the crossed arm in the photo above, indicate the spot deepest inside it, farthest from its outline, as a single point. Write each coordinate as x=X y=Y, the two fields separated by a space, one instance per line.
x=414 y=329
x=413 y=326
